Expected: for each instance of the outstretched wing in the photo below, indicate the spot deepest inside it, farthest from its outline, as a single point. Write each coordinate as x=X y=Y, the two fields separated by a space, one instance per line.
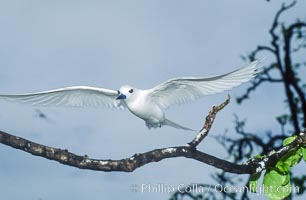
x=188 y=89
x=69 y=96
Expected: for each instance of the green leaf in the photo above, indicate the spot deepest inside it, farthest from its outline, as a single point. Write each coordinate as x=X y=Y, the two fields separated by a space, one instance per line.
x=253 y=182
x=289 y=160
x=288 y=140
x=276 y=185
x=283 y=166
x=258 y=156
x=304 y=153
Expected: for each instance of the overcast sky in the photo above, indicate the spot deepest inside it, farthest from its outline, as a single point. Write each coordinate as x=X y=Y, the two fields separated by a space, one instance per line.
x=50 y=44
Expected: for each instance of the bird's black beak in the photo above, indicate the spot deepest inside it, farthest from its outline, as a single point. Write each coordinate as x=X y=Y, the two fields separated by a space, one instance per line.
x=121 y=96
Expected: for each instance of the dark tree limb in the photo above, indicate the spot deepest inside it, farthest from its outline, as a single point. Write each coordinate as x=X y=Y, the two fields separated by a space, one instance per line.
x=138 y=160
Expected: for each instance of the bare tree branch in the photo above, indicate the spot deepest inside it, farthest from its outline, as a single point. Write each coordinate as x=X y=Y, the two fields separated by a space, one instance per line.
x=290 y=77
x=281 y=49
x=208 y=123
x=138 y=160
x=275 y=37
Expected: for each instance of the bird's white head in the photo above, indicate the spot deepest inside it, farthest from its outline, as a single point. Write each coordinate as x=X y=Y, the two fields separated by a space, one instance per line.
x=125 y=92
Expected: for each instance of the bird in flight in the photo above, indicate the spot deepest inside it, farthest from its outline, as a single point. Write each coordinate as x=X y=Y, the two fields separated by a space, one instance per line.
x=147 y=104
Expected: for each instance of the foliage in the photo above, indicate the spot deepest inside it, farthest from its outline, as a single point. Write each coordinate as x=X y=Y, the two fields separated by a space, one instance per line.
x=276 y=181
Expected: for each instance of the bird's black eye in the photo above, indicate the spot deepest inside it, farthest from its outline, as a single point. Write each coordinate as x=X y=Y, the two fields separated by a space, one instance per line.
x=131 y=91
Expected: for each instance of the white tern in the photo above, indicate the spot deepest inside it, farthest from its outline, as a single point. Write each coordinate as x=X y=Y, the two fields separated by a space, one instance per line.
x=148 y=104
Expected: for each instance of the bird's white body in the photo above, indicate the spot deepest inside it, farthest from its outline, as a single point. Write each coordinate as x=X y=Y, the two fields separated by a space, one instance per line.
x=149 y=104
x=142 y=107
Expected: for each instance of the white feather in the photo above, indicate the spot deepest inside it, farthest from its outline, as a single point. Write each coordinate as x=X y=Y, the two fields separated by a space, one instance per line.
x=69 y=96
x=188 y=89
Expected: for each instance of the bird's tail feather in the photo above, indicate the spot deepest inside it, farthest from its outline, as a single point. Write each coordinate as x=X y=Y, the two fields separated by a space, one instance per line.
x=175 y=125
